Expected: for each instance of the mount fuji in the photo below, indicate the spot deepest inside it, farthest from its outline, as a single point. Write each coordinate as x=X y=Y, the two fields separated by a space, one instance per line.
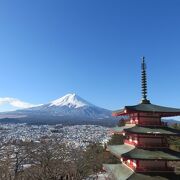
x=69 y=109
x=70 y=105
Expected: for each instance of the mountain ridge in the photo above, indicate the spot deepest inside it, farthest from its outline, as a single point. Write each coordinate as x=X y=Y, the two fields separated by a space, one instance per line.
x=70 y=107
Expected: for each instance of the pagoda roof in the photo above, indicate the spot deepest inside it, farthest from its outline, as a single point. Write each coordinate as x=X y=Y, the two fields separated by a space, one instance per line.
x=155 y=176
x=121 y=172
x=149 y=108
x=152 y=154
x=118 y=129
x=118 y=150
x=153 y=130
x=118 y=171
x=132 y=152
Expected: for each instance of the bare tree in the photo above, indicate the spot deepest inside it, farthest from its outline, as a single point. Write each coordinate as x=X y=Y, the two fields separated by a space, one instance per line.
x=49 y=161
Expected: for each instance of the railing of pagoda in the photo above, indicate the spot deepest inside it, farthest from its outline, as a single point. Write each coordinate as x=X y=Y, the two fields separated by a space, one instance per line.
x=153 y=169
x=146 y=145
x=151 y=123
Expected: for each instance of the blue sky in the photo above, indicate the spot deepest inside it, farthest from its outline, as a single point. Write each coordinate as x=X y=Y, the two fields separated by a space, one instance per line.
x=49 y=48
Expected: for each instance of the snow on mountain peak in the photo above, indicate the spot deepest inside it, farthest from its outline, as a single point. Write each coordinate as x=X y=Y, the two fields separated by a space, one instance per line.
x=70 y=100
x=69 y=106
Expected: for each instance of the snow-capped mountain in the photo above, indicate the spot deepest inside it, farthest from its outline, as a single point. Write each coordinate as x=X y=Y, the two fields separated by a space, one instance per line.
x=71 y=101
x=70 y=107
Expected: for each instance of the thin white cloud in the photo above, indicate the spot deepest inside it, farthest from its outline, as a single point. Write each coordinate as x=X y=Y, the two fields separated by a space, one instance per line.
x=15 y=102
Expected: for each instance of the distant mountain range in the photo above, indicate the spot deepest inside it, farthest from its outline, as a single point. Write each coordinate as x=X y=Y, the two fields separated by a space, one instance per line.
x=69 y=109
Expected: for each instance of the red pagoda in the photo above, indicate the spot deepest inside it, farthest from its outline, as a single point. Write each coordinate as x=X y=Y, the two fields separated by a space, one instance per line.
x=145 y=153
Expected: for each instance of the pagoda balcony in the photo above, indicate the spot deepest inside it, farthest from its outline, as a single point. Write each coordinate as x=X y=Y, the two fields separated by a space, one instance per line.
x=151 y=123
x=153 y=169
x=135 y=167
x=146 y=145
x=146 y=123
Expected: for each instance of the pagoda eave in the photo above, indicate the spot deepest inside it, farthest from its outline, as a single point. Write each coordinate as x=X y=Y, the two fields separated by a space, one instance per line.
x=131 y=152
x=120 y=130
x=118 y=150
x=151 y=154
x=161 y=111
x=121 y=172
x=151 y=134
x=118 y=171
x=153 y=131
x=123 y=112
x=161 y=114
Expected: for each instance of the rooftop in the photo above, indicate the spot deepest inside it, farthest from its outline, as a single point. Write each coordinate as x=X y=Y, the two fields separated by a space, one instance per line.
x=139 y=153
x=149 y=108
x=118 y=129
x=152 y=154
x=153 y=130
x=118 y=171
x=118 y=150
x=121 y=172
